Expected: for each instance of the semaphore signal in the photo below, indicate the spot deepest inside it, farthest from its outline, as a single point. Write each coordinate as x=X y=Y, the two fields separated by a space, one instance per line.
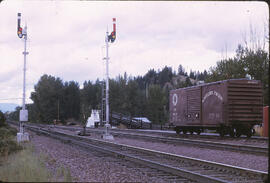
x=112 y=36
x=19 y=29
x=109 y=38
x=22 y=33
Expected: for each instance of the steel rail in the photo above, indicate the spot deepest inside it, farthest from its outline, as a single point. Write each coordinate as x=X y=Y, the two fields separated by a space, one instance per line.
x=166 y=134
x=201 y=143
x=219 y=172
x=110 y=152
x=174 y=135
x=214 y=136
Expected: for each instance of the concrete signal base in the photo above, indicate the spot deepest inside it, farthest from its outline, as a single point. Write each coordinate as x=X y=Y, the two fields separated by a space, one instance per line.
x=107 y=135
x=22 y=137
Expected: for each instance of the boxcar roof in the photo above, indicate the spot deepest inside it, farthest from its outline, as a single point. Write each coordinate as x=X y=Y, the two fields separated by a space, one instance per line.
x=212 y=83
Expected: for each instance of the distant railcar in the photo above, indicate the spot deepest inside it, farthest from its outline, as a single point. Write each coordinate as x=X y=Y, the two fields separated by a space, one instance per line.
x=231 y=107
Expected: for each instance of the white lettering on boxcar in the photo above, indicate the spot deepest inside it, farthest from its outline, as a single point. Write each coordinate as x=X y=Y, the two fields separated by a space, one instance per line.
x=252 y=82
x=175 y=99
x=212 y=93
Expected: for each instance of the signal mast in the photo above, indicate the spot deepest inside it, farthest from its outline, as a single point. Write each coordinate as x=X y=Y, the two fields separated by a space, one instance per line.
x=108 y=38
x=22 y=33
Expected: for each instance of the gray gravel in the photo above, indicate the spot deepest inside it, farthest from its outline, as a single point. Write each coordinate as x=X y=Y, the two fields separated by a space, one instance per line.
x=256 y=162
x=87 y=166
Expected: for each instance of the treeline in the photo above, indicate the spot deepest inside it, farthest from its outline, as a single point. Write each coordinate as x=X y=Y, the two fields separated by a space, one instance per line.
x=138 y=96
x=248 y=62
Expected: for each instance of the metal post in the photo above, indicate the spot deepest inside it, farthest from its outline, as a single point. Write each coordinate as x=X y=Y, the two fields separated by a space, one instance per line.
x=24 y=74
x=22 y=33
x=107 y=78
x=102 y=103
x=107 y=125
x=24 y=66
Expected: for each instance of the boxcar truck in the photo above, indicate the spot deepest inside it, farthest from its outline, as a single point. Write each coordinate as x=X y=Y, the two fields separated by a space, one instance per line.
x=230 y=107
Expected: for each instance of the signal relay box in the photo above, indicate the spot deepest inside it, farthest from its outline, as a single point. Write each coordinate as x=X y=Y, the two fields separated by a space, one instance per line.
x=23 y=115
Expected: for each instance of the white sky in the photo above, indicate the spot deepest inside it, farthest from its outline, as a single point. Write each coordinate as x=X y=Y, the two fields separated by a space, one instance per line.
x=66 y=38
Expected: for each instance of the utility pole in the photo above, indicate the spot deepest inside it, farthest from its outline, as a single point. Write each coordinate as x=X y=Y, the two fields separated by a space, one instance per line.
x=22 y=33
x=108 y=38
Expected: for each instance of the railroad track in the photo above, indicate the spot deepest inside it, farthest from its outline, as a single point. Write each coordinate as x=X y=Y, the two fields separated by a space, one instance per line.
x=173 y=166
x=189 y=136
x=216 y=137
x=195 y=136
x=166 y=134
x=252 y=149
x=200 y=143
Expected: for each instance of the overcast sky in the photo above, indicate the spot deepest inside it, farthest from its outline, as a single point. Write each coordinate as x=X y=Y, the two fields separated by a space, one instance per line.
x=67 y=38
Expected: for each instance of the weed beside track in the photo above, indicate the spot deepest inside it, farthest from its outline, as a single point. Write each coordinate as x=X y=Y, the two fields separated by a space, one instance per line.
x=21 y=162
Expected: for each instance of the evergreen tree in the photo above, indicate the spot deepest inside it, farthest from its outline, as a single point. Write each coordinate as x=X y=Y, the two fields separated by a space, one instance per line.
x=165 y=76
x=156 y=105
x=45 y=97
x=181 y=70
x=71 y=100
x=254 y=63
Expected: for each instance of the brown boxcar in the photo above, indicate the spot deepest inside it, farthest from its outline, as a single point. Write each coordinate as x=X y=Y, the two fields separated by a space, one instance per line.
x=231 y=107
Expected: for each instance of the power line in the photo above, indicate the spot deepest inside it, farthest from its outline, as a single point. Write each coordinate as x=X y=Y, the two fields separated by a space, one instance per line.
x=10 y=98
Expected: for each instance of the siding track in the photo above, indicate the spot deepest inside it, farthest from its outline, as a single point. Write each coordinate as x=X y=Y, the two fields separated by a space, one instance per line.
x=252 y=149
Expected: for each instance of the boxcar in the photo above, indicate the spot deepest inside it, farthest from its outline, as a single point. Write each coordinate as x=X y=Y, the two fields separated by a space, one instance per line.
x=231 y=107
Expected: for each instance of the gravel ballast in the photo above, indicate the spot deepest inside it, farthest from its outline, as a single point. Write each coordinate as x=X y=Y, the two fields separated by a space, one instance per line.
x=87 y=166
x=241 y=159
x=256 y=162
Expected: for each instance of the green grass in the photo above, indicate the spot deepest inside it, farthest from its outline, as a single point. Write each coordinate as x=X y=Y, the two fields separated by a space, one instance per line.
x=8 y=144
x=20 y=163
x=63 y=175
x=27 y=166
x=23 y=166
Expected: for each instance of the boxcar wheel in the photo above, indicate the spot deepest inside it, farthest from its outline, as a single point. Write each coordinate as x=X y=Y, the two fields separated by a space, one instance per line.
x=249 y=133
x=238 y=133
x=232 y=133
x=185 y=132
x=177 y=131
x=221 y=132
x=191 y=132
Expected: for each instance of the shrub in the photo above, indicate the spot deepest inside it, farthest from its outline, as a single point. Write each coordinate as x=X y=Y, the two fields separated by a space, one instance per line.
x=7 y=143
x=2 y=119
x=12 y=131
x=8 y=146
x=7 y=132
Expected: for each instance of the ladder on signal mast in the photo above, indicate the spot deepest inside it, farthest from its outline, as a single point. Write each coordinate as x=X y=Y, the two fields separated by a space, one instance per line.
x=103 y=102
